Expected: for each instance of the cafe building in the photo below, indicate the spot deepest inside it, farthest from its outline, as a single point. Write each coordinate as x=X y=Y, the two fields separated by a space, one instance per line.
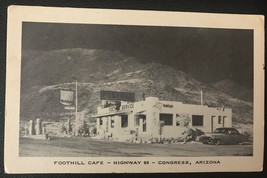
x=152 y=118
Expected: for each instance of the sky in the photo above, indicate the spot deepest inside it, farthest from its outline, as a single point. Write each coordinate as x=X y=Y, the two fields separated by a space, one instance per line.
x=209 y=55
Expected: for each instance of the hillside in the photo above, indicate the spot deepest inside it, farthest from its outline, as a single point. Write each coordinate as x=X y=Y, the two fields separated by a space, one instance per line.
x=45 y=73
x=234 y=89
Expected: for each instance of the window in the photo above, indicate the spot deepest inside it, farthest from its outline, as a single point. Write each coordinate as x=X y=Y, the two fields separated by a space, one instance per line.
x=166 y=118
x=233 y=131
x=124 y=121
x=220 y=130
x=219 y=119
x=197 y=120
x=100 y=121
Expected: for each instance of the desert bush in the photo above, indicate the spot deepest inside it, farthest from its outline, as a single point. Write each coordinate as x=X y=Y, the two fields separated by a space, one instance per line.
x=92 y=130
x=192 y=134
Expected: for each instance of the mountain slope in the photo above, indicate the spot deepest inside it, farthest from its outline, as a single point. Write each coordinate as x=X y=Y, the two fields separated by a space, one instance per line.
x=45 y=73
x=232 y=88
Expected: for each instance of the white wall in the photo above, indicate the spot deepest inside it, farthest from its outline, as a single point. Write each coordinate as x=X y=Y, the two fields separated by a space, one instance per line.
x=152 y=107
x=173 y=131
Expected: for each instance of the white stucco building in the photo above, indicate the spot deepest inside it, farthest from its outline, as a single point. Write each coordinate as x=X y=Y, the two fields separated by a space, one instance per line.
x=151 y=118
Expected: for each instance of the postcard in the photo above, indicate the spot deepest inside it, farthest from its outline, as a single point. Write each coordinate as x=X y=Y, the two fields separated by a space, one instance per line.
x=114 y=91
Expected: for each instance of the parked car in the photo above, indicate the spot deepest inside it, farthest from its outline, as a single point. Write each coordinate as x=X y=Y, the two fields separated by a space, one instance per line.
x=223 y=135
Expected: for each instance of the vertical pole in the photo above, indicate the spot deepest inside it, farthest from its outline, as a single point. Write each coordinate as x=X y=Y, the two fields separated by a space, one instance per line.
x=201 y=98
x=31 y=127
x=76 y=106
x=38 y=127
x=212 y=117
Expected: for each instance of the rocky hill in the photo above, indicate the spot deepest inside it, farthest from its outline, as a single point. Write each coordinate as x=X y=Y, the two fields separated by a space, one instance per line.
x=44 y=73
x=234 y=89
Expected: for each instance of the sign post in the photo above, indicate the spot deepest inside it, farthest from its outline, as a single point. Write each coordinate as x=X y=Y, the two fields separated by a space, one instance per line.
x=76 y=105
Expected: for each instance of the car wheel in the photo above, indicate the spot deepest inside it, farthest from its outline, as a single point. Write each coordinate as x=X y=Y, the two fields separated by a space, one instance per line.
x=217 y=142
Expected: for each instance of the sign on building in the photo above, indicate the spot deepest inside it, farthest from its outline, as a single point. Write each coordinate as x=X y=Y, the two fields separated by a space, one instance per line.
x=117 y=96
x=127 y=106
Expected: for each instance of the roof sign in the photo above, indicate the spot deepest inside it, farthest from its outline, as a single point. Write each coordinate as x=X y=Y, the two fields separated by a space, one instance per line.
x=117 y=96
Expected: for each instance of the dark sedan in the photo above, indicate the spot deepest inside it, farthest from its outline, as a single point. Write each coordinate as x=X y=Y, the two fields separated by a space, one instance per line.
x=223 y=135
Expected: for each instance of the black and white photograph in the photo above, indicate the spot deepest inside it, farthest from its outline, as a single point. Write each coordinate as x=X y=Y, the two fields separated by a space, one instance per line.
x=113 y=90
x=116 y=94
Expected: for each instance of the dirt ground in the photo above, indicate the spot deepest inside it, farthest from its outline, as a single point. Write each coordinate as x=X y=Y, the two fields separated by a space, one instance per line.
x=84 y=147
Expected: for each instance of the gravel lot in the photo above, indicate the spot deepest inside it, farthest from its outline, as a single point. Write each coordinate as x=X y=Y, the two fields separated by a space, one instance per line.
x=84 y=147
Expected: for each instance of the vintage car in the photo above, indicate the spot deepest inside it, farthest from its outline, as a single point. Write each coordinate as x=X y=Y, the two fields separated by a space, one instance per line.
x=223 y=135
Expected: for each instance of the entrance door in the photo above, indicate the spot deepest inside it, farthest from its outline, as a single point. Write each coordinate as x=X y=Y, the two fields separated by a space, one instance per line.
x=144 y=124
x=140 y=121
x=213 y=123
x=224 y=118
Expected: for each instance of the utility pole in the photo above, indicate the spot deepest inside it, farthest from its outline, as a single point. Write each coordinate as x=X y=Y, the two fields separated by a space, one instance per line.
x=201 y=98
x=76 y=106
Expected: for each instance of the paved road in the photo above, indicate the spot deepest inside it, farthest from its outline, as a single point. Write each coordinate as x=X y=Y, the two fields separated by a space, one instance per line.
x=84 y=147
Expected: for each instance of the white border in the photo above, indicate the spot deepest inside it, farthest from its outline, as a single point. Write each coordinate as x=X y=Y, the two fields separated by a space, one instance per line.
x=18 y=14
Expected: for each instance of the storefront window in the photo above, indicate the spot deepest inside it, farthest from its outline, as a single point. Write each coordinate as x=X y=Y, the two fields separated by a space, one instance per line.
x=197 y=120
x=166 y=118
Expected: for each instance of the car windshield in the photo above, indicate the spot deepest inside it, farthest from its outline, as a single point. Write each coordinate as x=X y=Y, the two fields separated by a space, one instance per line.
x=219 y=131
x=229 y=131
x=233 y=131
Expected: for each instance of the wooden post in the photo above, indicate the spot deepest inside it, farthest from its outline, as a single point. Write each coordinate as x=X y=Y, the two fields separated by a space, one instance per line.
x=31 y=128
x=38 y=127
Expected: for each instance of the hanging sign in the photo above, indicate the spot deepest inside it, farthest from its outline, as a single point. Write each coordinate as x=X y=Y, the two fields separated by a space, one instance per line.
x=66 y=97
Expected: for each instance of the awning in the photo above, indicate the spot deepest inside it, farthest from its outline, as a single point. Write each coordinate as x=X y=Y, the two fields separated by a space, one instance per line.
x=140 y=112
x=113 y=113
